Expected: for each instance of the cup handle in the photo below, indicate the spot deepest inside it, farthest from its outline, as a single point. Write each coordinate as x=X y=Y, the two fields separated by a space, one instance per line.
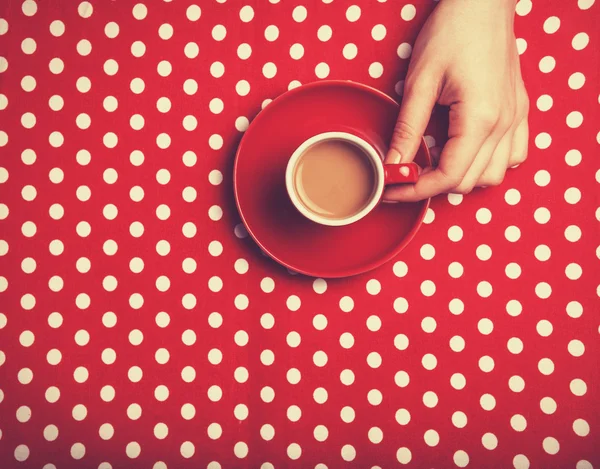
x=407 y=173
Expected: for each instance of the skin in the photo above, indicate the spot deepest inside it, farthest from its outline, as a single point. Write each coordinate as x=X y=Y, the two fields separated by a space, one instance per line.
x=465 y=57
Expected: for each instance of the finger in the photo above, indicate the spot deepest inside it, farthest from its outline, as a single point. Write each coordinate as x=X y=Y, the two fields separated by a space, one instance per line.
x=496 y=169
x=415 y=110
x=456 y=158
x=481 y=162
x=520 y=144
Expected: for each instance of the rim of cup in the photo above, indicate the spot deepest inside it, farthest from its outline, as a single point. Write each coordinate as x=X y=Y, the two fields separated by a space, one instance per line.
x=369 y=152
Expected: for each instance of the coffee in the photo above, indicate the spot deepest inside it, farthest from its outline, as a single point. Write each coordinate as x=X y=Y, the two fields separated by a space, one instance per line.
x=335 y=179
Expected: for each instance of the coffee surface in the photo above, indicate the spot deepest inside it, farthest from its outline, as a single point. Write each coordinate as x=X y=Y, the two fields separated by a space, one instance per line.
x=334 y=179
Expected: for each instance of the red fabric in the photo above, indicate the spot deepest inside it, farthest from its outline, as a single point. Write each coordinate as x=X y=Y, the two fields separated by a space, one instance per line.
x=367 y=346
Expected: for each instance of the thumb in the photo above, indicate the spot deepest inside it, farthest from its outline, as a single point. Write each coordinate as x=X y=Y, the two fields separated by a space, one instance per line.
x=415 y=111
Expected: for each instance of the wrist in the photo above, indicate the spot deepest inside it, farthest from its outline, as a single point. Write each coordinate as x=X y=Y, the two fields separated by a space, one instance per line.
x=490 y=9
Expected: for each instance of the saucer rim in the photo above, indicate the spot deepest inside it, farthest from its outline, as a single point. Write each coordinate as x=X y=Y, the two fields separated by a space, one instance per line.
x=316 y=273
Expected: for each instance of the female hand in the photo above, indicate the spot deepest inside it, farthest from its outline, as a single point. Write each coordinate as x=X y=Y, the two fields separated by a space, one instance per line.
x=465 y=57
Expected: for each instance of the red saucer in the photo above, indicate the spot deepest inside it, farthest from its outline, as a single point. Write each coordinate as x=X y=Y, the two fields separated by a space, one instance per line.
x=259 y=181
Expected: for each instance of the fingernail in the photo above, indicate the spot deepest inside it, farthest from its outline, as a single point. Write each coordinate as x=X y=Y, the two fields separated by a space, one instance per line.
x=393 y=156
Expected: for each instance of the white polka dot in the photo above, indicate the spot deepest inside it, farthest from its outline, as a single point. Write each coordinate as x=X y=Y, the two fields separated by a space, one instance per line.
x=551 y=24
x=544 y=102
x=84 y=47
x=294 y=413
x=456 y=306
x=375 y=70
x=404 y=50
x=573 y=271
x=193 y=13
x=219 y=32
x=484 y=289
x=457 y=343
x=544 y=328
x=547 y=64
x=514 y=345
x=271 y=33
x=542 y=215
x=111 y=30
x=578 y=387
x=543 y=140
x=512 y=233
x=28 y=46
x=581 y=428
x=191 y=51
x=573 y=157
x=512 y=196
x=521 y=45
x=324 y=33
x=22 y=451
x=378 y=33
x=139 y=11
x=215 y=141
x=83 y=84
x=485 y=326
x=294 y=451
x=486 y=364
x=513 y=270
x=408 y=12
x=428 y=324
x=576 y=348
x=138 y=49
x=403 y=455
x=431 y=437
x=57 y=28
x=430 y=399
x=81 y=374
x=111 y=67
x=165 y=31
x=429 y=361
x=580 y=41
x=583 y=464
x=347 y=340
x=572 y=195
x=573 y=233
x=346 y=304
x=550 y=445
x=546 y=366
x=574 y=119
x=455 y=270
x=133 y=449
x=56 y=247
x=164 y=68
x=187 y=449
x=585 y=5
x=246 y=14
x=487 y=402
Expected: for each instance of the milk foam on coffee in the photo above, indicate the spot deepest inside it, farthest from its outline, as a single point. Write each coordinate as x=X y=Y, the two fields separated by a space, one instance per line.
x=335 y=179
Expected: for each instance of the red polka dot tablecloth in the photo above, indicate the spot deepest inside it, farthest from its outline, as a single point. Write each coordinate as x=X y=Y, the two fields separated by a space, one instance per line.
x=140 y=326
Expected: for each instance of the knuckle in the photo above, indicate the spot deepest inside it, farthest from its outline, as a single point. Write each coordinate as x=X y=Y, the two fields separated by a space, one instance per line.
x=523 y=102
x=487 y=116
x=413 y=83
x=494 y=179
x=525 y=105
x=518 y=159
x=420 y=84
x=464 y=188
x=403 y=131
x=505 y=121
